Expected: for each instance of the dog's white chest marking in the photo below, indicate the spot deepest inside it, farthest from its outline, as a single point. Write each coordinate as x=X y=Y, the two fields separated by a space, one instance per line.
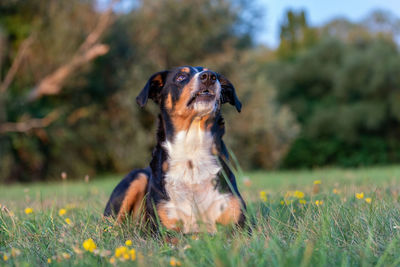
x=190 y=181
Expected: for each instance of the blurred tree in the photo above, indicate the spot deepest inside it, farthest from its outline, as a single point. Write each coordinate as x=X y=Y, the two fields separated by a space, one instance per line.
x=45 y=51
x=86 y=121
x=343 y=92
x=295 y=34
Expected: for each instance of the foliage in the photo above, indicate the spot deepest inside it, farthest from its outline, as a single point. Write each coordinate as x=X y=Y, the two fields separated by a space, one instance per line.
x=345 y=95
x=349 y=217
x=100 y=128
x=295 y=34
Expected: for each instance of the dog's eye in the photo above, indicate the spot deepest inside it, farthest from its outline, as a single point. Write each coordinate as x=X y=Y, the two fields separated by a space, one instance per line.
x=180 y=77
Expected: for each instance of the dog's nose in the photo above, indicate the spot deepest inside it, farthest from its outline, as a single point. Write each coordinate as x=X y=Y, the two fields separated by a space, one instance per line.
x=208 y=78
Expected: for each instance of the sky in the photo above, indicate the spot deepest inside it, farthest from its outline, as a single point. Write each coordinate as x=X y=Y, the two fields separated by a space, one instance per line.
x=318 y=12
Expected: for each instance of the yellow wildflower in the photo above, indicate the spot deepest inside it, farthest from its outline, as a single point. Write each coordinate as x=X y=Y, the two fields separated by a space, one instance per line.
x=68 y=221
x=120 y=251
x=360 y=195
x=112 y=260
x=89 y=245
x=282 y=202
x=368 y=200
x=132 y=253
x=263 y=196
x=298 y=194
x=128 y=242
x=317 y=182
x=48 y=260
x=319 y=202
x=335 y=191
x=303 y=201
x=174 y=262
x=5 y=257
x=28 y=210
x=61 y=212
x=126 y=256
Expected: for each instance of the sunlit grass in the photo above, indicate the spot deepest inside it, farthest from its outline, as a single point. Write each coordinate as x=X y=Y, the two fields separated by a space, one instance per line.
x=324 y=217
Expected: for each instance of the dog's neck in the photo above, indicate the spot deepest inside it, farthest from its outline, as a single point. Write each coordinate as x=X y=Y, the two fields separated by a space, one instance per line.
x=201 y=135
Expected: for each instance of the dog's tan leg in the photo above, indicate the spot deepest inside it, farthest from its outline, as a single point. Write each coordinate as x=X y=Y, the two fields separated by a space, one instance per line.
x=169 y=223
x=232 y=213
x=133 y=200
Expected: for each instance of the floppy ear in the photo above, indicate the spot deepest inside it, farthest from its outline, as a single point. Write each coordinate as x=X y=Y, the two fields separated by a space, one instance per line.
x=228 y=93
x=152 y=89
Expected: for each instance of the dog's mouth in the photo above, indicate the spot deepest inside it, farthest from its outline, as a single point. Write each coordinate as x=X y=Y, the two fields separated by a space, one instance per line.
x=202 y=95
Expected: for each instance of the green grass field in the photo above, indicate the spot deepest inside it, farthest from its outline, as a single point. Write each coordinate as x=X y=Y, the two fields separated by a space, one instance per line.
x=295 y=222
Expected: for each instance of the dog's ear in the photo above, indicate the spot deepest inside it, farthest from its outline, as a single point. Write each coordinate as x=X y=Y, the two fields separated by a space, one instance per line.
x=228 y=93
x=152 y=89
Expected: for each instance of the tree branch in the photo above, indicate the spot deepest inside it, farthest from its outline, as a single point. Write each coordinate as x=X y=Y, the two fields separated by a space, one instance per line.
x=52 y=84
x=88 y=51
x=25 y=126
x=15 y=64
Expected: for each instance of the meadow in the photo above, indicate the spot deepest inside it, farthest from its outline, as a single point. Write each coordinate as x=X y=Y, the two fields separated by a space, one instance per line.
x=326 y=217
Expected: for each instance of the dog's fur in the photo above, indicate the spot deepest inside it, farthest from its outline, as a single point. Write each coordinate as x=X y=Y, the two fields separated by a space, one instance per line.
x=188 y=186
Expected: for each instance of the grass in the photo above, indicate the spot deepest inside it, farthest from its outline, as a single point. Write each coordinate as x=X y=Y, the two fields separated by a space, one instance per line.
x=343 y=230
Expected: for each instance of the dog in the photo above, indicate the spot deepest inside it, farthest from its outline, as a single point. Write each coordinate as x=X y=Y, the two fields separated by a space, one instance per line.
x=188 y=185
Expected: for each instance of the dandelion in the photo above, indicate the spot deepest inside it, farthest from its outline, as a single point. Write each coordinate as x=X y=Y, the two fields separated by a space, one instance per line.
x=48 y=260
x=335 y=191
x=174 y=262
x=5 y=257
x=68 y=221
x=128 y=242
x=126 y=256
x=317 y=182
x=319 y=202
x=303 y=201
x=61 y=212
x=263 y=196
x=298 y=194
x=28 y=210
x=112 y=260
x=368 y=200
x=120 y=251
x=89 y=245
x=132 y=253
x=360 y=195
x=282 y=202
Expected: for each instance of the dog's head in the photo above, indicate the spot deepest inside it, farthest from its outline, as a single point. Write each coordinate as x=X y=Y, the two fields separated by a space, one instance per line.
x=189 y=92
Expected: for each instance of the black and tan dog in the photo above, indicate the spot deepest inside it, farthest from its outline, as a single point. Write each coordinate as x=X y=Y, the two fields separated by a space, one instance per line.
x=188 y=183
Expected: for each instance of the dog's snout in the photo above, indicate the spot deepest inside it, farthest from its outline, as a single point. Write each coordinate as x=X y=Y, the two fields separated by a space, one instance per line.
x=208 y=78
